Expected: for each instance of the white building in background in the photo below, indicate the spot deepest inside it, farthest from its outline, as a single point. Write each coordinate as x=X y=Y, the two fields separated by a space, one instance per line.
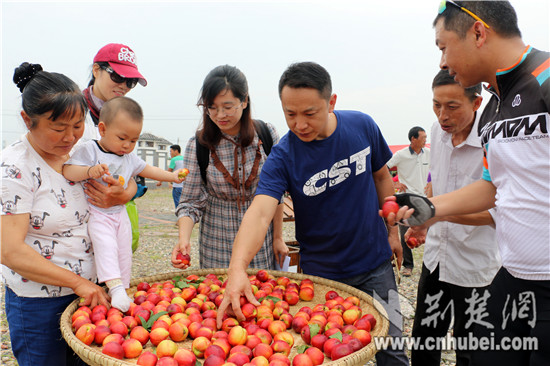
x=154 y=151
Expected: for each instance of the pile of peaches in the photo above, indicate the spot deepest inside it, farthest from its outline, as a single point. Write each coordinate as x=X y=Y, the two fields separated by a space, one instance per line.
x=174 y=323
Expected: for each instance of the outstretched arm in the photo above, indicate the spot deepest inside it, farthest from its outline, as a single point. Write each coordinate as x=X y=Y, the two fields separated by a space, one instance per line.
x=473 y=198
x=247 y=243
x=156 y=173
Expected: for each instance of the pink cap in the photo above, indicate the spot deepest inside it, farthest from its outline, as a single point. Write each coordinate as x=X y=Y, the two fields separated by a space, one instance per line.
x=122 y=59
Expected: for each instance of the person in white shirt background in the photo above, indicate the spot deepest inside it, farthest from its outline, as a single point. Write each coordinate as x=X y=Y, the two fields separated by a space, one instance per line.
x=412 y=165
x=460 y=258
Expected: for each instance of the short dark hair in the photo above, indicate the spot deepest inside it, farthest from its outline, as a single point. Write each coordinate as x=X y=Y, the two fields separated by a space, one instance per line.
x=221 y=78
x=413 y=132
x=307 y=75
x=44 y=92
x=499 y=15
x=176 y=147
x=113 y=106
x=443 y=78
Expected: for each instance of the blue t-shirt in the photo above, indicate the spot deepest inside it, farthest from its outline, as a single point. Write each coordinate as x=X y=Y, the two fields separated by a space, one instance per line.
x=335 y=202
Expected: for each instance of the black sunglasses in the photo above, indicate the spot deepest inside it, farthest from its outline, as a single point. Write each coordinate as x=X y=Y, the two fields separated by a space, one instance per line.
x=130 y=82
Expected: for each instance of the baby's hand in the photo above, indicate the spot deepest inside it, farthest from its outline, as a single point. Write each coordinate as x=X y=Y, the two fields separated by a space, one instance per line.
x=97 y=171
x=180 y=175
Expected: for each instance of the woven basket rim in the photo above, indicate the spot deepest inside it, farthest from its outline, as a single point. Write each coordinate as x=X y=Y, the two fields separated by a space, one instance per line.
x=93 y=356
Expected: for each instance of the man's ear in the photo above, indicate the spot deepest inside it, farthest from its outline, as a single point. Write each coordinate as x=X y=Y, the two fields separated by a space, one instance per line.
x=480 y=33
x=332 y=103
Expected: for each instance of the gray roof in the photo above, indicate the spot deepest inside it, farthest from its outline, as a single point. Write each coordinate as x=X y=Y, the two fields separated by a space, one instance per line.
x=150 y=137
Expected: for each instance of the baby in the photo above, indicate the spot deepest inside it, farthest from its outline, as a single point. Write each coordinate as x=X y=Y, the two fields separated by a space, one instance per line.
x=120 y=124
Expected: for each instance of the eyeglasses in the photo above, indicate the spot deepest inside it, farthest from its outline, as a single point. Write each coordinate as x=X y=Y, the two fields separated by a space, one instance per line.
x=443 y=6
x=130 y=82
x=227 y=110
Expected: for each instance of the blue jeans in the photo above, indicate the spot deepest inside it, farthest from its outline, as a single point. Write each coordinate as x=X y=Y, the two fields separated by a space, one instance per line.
x=34 y=330
x=381 y=281
x=176 y=193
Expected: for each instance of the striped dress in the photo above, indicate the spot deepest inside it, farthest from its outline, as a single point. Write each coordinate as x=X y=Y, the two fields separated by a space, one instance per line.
x=216 y=204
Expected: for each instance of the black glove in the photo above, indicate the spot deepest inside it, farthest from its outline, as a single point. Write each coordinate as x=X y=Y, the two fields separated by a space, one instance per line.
x=423 y=208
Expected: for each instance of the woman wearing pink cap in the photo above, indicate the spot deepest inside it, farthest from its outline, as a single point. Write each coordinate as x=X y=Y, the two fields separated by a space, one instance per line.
x=114 y=74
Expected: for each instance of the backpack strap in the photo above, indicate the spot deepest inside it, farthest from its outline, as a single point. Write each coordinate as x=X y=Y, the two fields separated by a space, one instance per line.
x=264 y=134
x=203 y=154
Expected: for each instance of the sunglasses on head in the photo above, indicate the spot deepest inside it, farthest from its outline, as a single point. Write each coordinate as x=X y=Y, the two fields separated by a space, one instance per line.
x=443 y=6
x=130 y=82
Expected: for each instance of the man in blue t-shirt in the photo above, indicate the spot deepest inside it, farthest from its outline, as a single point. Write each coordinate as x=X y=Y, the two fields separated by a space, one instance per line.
x=333 y=164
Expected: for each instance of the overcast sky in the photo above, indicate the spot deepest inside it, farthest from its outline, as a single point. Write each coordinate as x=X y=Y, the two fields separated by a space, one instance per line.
x=381 y=54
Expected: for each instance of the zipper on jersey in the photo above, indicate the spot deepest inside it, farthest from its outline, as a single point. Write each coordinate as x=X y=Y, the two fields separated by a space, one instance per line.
x=492 y=91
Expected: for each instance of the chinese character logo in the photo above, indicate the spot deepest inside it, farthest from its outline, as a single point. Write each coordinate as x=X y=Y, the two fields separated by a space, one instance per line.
x=477 y=309
x=521 y=308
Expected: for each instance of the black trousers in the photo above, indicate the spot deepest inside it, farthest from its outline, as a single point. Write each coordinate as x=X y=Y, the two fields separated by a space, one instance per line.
x=436 y=305
x=519 y=311
x=408 y=261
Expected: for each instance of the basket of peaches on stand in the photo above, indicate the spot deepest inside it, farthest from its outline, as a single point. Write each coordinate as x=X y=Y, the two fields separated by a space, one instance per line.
x=302 y=321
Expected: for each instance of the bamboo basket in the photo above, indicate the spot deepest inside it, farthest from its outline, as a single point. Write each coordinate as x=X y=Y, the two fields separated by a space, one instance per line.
x=92 y=354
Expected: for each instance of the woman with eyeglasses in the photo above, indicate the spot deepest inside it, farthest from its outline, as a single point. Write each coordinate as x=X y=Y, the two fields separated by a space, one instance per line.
x=228 y=147
x=114 y=74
